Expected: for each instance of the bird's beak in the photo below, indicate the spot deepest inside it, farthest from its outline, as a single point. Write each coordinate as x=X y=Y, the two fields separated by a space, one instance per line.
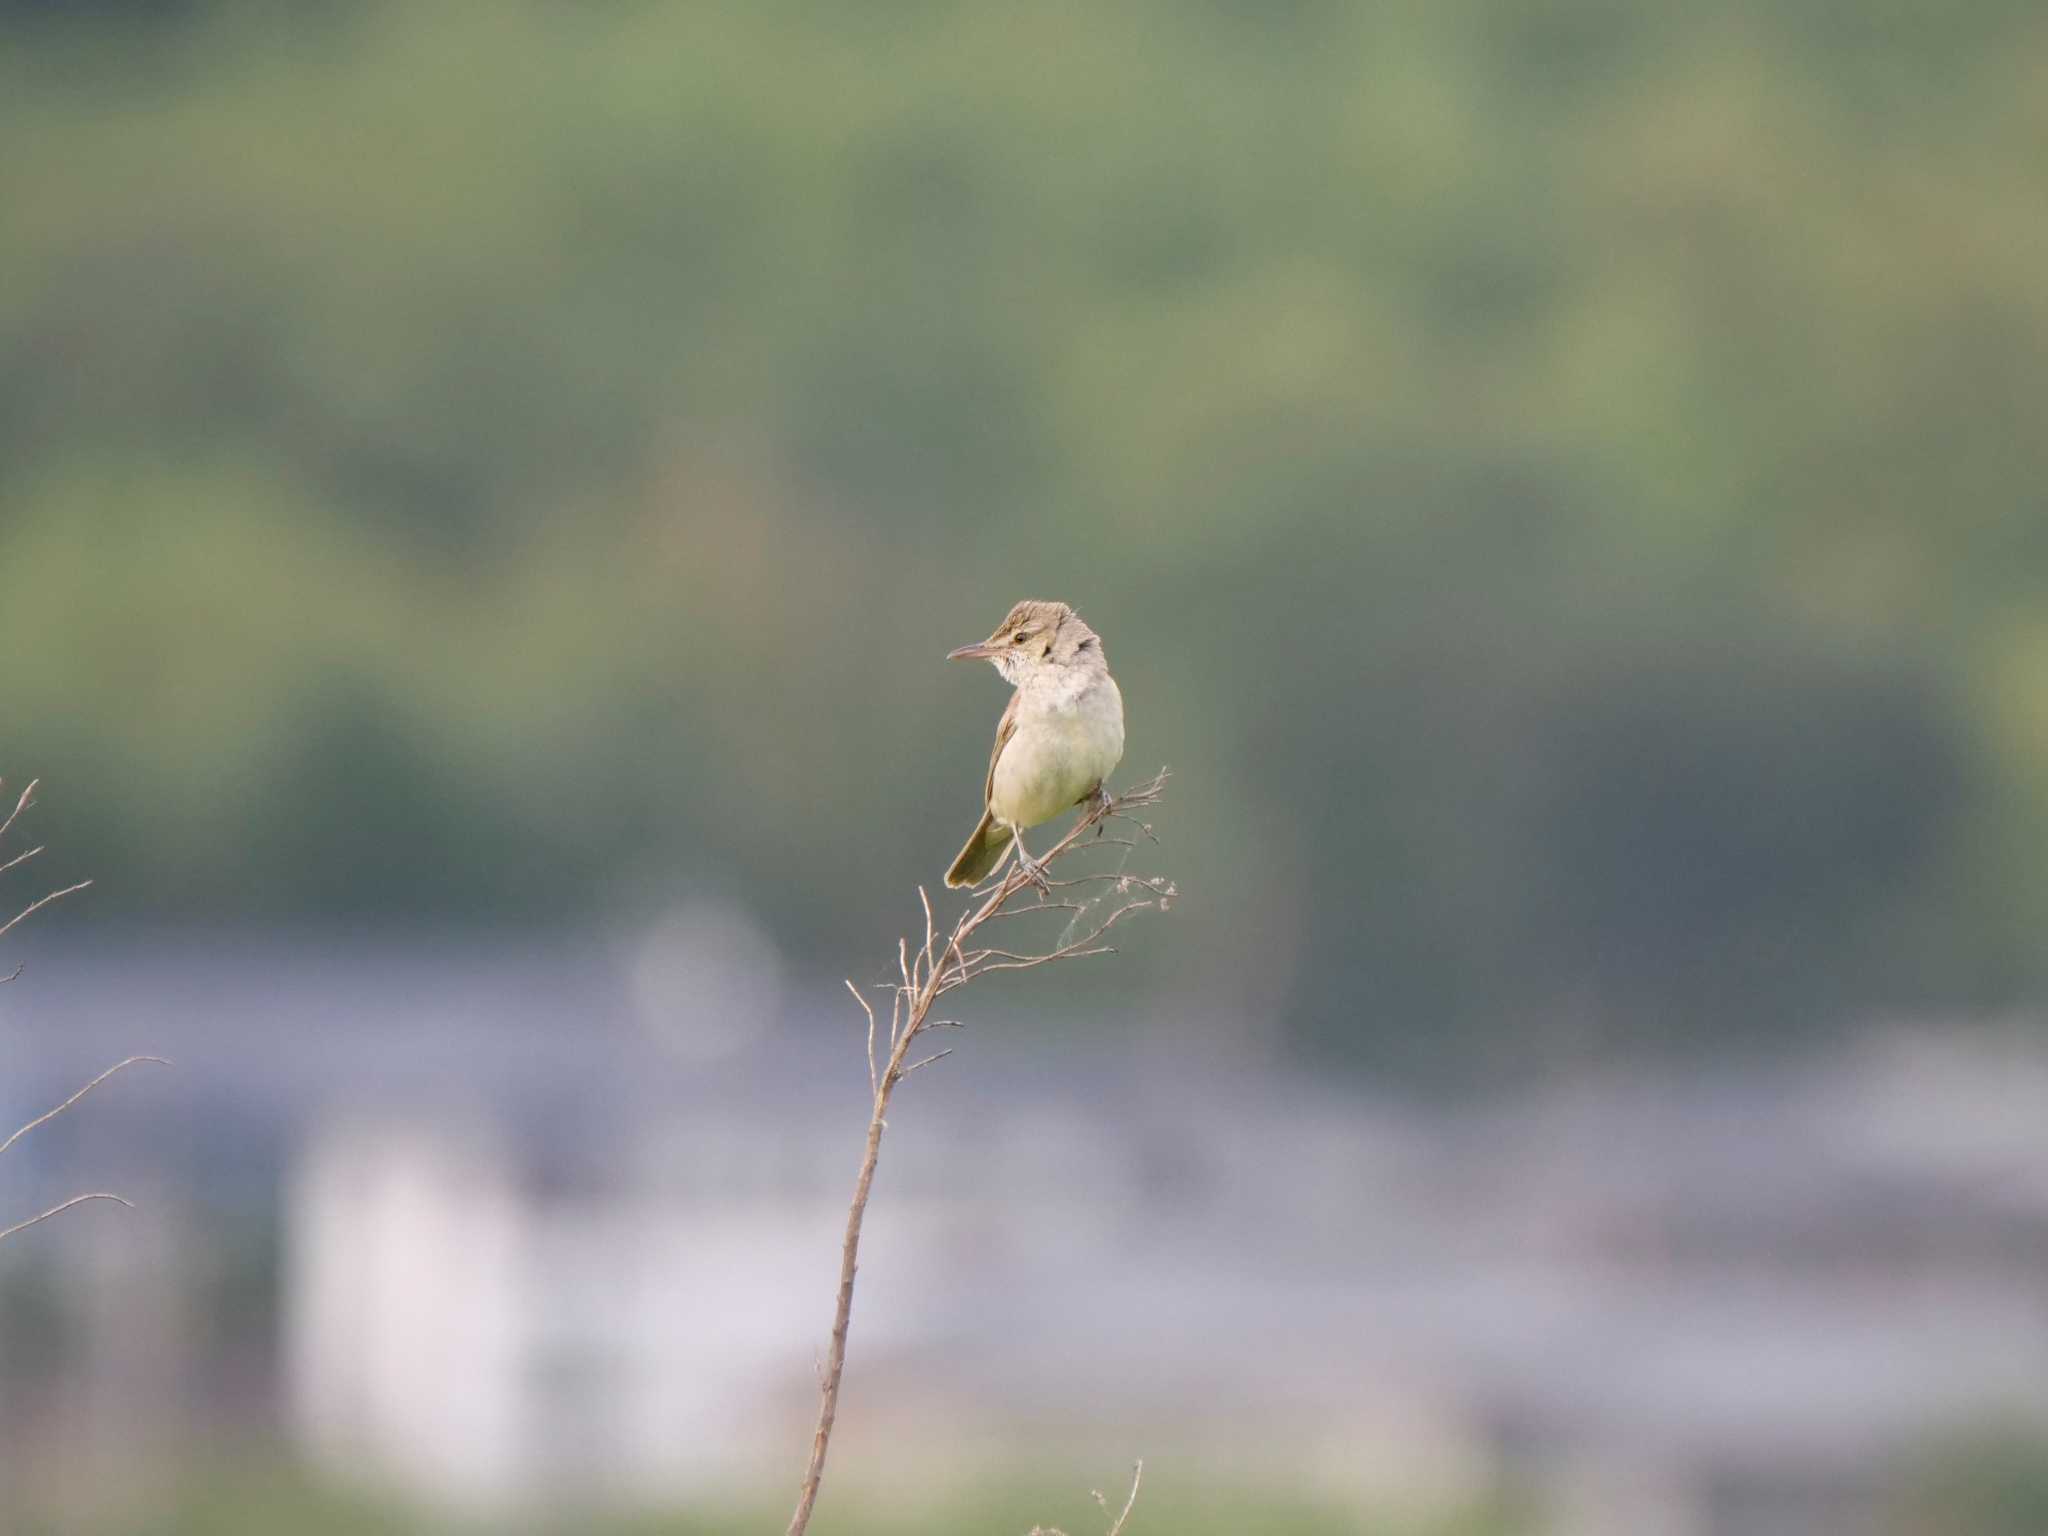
x=981 y=650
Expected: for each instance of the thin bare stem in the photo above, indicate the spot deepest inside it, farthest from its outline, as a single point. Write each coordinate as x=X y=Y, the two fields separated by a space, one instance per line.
x=1137 y=1474
x=873 y=1085
x=925 y=974
x=59 y=1209
x=835 y=1360
x=926 y=902
x=1041 y=906
x=22 y=802
x=48 y=1115
x=41 y=902
x=20 y=805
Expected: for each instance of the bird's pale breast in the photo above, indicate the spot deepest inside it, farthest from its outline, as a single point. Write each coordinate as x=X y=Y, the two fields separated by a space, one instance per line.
x=1061 y=749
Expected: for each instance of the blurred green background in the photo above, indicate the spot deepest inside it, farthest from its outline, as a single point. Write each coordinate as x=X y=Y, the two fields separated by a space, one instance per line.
x=1561 y=482
x=262 y=1505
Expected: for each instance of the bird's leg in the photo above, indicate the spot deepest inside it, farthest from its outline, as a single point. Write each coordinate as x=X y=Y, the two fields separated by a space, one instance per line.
x=1098 y=800
x=1033 y=870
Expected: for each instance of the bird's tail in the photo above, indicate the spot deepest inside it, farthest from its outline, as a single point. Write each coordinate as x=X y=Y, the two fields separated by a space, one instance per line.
x=983 y=852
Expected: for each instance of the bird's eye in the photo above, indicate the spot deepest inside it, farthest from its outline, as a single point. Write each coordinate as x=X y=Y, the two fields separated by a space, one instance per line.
x=1017 y=638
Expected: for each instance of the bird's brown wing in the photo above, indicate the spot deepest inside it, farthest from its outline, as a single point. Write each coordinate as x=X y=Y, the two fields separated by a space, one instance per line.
x=1005 y=729
x=986 y=844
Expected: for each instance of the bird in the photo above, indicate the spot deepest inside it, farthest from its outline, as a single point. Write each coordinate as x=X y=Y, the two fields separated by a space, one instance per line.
x=1059 y=739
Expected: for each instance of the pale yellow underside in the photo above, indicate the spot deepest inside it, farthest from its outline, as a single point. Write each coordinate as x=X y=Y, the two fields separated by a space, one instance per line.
x=1057 y=755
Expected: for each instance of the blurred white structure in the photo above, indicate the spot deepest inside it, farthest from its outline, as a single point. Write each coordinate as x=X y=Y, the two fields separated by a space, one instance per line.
x=481 y=1340
x=405 y=1295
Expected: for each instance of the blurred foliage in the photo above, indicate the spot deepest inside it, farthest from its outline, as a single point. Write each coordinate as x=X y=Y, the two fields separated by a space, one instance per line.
x=1561 y=482
x=1990 y=1482
x=265 y=1497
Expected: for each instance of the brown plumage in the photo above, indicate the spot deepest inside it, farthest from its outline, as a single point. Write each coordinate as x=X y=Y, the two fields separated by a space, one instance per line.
x=988 y=840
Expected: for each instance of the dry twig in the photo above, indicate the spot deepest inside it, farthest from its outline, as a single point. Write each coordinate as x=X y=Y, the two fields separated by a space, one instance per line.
x=945 y=961
x=50 y=1114
x=59 y=1208
x=1117 y=1529
x=21 y=804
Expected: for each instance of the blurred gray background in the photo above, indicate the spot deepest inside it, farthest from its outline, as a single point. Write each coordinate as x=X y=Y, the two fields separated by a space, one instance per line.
x=485 y=491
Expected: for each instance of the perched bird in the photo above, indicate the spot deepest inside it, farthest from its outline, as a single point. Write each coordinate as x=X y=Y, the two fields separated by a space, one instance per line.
x=1059 y=739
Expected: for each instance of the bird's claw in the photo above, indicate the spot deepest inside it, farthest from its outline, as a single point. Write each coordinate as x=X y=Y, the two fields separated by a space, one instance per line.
x=1098 y=806
x=1033 y=871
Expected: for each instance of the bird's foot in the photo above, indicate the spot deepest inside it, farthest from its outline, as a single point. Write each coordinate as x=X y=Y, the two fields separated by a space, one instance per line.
x=1033 y=870
x=1099 y=803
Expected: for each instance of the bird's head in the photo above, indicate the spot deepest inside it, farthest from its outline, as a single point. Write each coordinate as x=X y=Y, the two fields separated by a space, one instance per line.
x=1035 y=637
